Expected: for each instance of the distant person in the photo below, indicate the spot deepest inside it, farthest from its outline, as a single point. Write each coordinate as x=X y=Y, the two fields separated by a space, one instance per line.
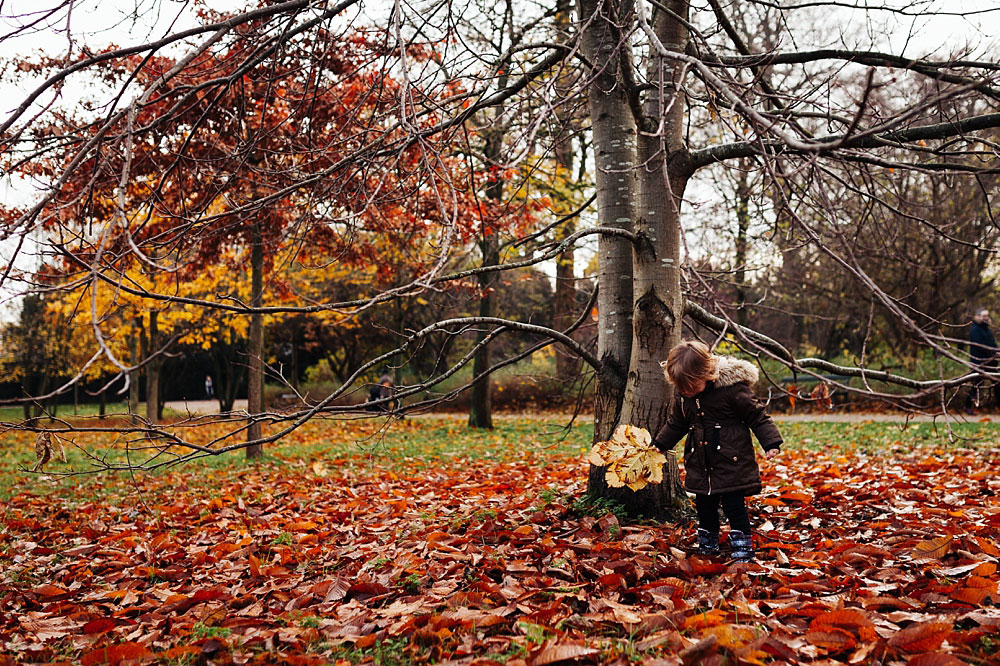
x=983 y=354
x=716 y=408
x=384 y=389
x=209 y=388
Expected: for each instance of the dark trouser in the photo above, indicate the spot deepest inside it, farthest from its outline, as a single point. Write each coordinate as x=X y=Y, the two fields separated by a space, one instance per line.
x=982 y=393
x=733 y=505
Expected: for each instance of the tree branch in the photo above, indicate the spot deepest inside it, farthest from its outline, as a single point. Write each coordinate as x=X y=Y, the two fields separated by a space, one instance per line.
x=230 y=23
x=896 y=138
x=720 y=325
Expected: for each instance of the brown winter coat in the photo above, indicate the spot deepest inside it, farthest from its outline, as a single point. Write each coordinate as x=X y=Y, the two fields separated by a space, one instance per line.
x=718 y=454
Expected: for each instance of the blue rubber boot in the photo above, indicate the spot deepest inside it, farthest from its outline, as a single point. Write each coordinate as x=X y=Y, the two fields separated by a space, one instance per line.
x=708 y=542
x=741 y=545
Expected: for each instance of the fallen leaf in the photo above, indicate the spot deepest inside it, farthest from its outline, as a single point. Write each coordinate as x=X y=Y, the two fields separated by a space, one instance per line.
x=99 y=626
x=833 y=639
x=921 y=637
x=630 y=458
x=48 y=592
x=116 y=654
x=932 y=548
x=562 y=652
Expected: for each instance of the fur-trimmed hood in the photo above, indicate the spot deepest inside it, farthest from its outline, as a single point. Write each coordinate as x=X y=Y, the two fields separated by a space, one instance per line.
x=734 y=370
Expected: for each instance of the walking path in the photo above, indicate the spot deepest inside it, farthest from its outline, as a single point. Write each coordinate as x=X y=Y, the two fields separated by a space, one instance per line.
x=202 y=407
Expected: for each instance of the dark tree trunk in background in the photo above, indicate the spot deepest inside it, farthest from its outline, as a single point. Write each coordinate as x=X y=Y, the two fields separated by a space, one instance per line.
x=743 y=193
x=564 y=305
x=481 y=409
x=255 y=348
x=153 y=371
x=294 y=360
x=564 y=301
x=133 y=376
x=53 y=408
x=230 y=370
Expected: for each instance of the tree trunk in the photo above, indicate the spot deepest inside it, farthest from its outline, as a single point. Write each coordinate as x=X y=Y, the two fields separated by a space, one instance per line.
x=563 y=306
x=481 y=408
x=230 y=369
x=658 y=302
x=42 y=388
x=605 y=45
x=743 y=193
x=133 y=376
x=294 y=361
x=564 y=301
x=255 y=348
x=223 y=373
x=153 y=371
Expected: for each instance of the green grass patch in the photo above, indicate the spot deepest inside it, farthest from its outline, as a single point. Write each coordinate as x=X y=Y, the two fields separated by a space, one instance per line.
x=434 y=440
x=16 y=414
x=389 y=652
x=85 y=477
x=875 y=437
x=407 y=447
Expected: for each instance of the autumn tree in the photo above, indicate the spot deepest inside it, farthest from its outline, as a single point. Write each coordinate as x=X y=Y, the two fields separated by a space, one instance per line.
x=34 y=354
x=241 y=157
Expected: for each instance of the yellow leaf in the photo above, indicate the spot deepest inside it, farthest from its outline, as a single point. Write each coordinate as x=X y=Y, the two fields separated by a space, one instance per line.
x=731 y=635
x=630 y=458
x=932 y=548
x=613 y=479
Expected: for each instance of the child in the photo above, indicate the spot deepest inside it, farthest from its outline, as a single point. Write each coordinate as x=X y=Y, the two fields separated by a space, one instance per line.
x=717 y=408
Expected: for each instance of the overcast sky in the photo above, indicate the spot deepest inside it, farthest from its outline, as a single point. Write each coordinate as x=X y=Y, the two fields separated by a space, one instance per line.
x=97 y=23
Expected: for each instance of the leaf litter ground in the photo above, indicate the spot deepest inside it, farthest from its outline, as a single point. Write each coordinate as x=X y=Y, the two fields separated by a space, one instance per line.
x=437 y=544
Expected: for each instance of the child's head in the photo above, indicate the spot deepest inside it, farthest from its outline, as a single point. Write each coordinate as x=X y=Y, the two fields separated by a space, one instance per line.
x=689 y=366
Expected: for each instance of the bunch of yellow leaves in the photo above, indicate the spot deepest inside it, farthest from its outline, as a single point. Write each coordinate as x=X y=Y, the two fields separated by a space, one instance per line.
x=630 y=458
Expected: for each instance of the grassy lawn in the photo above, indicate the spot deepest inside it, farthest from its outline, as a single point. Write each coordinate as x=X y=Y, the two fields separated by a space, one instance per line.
x=412 y=446
x=409 y=446
x=16 y=414
x=881 y=437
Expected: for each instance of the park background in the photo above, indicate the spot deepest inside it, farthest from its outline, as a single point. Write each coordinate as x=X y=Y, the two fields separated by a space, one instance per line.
x=513 y=210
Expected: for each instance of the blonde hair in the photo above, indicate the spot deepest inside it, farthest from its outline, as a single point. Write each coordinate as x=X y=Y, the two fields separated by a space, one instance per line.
x=689 y=362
